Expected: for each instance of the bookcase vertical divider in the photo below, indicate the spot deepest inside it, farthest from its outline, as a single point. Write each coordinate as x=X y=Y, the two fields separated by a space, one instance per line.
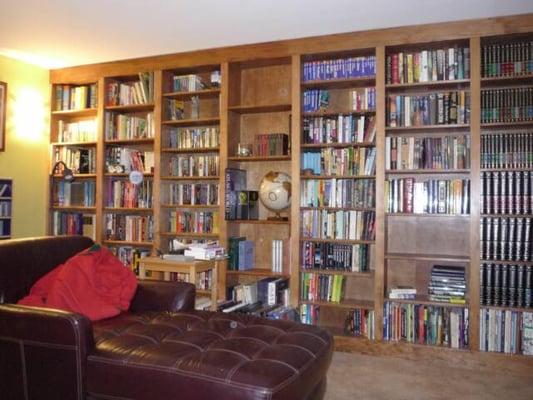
x=156 y=200
x=379 y=278
x=223 y=164
x=475 y=150
x=100 y=161
x=295 y=177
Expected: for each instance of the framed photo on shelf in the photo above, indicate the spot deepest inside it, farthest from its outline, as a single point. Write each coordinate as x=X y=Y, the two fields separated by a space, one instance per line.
x=3 y=100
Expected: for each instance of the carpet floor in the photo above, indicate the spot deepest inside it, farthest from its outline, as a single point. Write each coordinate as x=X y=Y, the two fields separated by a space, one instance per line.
x=357 y=376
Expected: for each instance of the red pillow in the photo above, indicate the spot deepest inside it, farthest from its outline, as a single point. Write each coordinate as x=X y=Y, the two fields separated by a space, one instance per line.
x=93 y=283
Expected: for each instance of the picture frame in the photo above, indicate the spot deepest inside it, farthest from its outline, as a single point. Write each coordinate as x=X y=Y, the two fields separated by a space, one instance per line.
x=3 y=106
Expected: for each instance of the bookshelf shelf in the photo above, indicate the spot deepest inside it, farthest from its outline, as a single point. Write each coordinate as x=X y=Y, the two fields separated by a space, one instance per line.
x=425 y=128
x=497 y=81
x=508 y=215
x=336 y=145
x=503 y=125
x=430 y=86
x=190 y=178
x=203 y=94
x=258 y=222
x=190 y=151
x=191 y=122
x=340 y=241
x=77 y=176
x=127 y=209
x=84 y=112
x=507 y=262
x=80 y=144
x=337 y=177
x=368 y=274
x=131 y=108
x=346 y=303
x=126 y=243
x=519 y=169
x=339 y=83
x=259 y=109
x=198 y=206
x=260 y=158
x=427 y=215
x=426 y=171
x=190 y=235
x=130 y=141
x=257 y=272
x=339 y=208
x=427 y=257
x=334 y=113
x=507 y=308
x=424 y=300
x=73 y=208
x=125 y=174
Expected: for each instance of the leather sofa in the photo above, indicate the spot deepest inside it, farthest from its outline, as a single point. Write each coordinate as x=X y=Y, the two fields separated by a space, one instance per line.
x=160 y=349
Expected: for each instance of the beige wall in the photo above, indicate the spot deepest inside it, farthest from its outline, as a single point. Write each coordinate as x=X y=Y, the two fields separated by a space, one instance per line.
x=26 y=150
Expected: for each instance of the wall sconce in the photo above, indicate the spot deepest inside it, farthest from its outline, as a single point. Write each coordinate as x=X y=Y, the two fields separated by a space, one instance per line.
x=66 y=172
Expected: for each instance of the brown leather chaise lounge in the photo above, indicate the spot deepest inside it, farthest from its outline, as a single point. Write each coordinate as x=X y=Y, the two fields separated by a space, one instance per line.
x=161 y=349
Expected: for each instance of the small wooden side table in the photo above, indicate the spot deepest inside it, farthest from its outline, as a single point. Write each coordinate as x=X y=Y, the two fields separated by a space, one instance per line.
x=186 y=267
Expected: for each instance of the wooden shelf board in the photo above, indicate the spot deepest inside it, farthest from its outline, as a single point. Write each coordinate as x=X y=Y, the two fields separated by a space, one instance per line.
x=192 y=150
x=431 y=85
x=83 y=144
x=130 y=141
x=331 y=113
x=76 y=176
x=506 y=308
x=426 y=171
x=125 y=243
x=343 y=83
x=258 y=221
x=346 y=303
x=339 y=208
x=203 y=94
x=260 y=158
x=506 y=262
x=257 y=272
x=258 y=109
x=424 y=300
x=488 y=80
x=190 y=234
x=401 y=129
x=339 y=241
x=200 y=206
x=131 y=107
x=488 y=125
x=510 y=169
x=337 y=177
x=368 y=274
x=127 y=209
x=192 y=122
x=83 y=112
x=126 y=174
x=67 y=208
x=510 y=215
x=190 y=178
x=427 y=215
x=426 y=257
x=336 y=145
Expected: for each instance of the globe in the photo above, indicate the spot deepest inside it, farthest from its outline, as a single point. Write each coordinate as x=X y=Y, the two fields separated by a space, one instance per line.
x=275 y=191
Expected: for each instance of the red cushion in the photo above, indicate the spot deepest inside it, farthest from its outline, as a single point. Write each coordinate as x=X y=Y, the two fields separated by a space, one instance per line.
x=93 y=283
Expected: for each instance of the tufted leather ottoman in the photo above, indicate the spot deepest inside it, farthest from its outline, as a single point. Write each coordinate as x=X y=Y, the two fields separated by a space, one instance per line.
x=205 y=355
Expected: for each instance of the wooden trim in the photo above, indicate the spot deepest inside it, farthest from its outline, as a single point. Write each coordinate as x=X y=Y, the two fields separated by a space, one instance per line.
x=100 y=161
x=316 y=44
x=156 y=199
x=223 y=164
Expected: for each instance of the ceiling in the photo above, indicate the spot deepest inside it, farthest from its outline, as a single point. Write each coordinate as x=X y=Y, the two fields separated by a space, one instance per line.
x=61 y=33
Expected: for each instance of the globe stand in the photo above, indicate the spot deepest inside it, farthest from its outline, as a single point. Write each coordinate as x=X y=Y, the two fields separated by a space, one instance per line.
x=278 y=217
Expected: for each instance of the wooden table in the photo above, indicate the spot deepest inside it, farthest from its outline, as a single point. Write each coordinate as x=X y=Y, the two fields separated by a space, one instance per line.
x=186 y=267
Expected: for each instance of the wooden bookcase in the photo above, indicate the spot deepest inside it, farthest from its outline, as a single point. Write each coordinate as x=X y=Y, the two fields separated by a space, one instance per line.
x=262 y=91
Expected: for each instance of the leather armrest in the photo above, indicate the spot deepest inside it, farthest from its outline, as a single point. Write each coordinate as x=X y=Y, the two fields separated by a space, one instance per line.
x=163 y=296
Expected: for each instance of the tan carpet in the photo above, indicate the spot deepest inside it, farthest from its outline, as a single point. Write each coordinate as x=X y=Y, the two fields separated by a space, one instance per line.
x=355 y=376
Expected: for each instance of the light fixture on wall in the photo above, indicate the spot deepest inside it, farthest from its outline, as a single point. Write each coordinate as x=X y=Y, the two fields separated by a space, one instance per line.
x=66 y=172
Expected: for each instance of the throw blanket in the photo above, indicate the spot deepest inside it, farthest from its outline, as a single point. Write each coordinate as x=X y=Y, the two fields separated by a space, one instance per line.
x=93 y=283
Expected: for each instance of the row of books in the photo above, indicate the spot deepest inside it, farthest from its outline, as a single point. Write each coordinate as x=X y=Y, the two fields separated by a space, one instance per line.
x=65 y=194
x=131 y=92
x=505 y=238
x=360 y=322
x=129 y=228
x=188 y=83
x=363 y=99
x=309 y=314
x=335 y=256
x=339 y=225
x=241 y=253
x=448 y=152
x=345 y=193
x=430 y=65
x=506 y=331
x=280 y=255
x=265 y=292
x=447 y=284
x=507 y=105
x=344 y=128
x=124 y=160
x=431 y=196
x=5 y=208
x=322 y=287
x=506 y=192
x=121 y=193
x=509 y=59
x=78 y=131
x=271 y=144
x=507 y=150
x=127 y=127
x=340 y=68
x=73 y=223
x=194 y=138
x=75 y=97
x=79 y=160
x=315 y=100
x=193 y=222
x=402 y=293
x=193 y=194
x=506 y=285
x=348 y=161
x=424 y=324
x=130 y=256
x=446 y=108
x=194 y=165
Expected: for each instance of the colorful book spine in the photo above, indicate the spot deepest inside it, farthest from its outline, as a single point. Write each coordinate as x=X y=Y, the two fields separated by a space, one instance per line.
x=193 y=222
x=507 y=150
x=343 y=162
x=341 y=68
x=336 y=256
x=506 y=331
x=124 y=194
x=507 y=59
x=78 y=131
x=193 y=194
x=127 y=127
x=194 y=165
x=360 y=323
x=343 y=128
x=130 y=228
x=339 y=225
x=194 y=138
x=507 y=105
x=322 y=287
x=338 y=193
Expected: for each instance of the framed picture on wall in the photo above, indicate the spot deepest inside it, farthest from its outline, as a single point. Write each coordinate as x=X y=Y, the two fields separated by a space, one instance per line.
x=3 y=100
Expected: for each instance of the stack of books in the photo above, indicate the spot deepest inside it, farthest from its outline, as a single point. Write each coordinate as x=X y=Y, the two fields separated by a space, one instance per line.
x=402 y=292
x=447 y=284
x=204 y=251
